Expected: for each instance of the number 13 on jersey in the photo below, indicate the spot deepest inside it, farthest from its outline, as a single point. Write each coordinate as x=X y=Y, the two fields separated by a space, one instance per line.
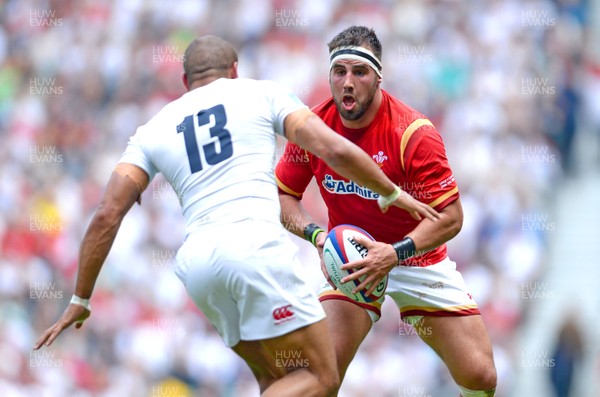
x=216 y=150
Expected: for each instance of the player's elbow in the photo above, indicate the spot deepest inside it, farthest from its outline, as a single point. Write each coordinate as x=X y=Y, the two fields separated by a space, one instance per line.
x=455 y=227
x=454 y=224
x=108 y=215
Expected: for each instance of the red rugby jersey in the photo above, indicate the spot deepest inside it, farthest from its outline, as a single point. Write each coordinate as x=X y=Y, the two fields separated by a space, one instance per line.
x=408 y=149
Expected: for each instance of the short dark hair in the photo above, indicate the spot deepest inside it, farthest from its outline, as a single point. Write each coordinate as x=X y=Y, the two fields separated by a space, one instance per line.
x=208 y=54
x=357 y=36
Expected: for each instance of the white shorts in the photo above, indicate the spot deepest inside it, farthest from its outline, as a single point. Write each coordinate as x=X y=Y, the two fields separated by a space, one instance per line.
x=434 y=290
x=247 y=279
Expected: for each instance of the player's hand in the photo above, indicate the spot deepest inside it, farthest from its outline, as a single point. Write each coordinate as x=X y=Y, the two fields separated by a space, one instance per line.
x=319 y=242
x=380 y=259
x=73 y=314
x=415 y=208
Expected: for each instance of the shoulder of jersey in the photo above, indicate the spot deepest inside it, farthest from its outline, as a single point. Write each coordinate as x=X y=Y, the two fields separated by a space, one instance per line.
x=404 y=114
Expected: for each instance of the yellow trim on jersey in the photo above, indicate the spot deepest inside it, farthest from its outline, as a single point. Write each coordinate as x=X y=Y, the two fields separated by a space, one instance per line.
x=287 y=189
x=415 y=125
x=443 y=197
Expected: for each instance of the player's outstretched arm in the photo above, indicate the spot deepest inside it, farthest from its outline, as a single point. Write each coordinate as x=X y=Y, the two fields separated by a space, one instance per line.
x=308 y=131
x=124 y=188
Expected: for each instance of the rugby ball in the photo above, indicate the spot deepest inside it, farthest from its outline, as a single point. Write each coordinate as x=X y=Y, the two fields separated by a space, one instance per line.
x=339 y=249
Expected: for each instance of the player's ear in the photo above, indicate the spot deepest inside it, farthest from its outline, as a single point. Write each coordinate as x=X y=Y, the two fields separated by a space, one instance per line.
x=185 y=81
x=234 y=72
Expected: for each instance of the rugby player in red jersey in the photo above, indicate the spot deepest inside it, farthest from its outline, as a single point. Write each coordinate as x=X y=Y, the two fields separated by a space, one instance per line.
x=423 y=281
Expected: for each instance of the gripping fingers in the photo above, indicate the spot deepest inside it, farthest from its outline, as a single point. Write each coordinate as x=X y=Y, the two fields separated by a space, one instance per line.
x=366 y=283
x=373 y=286
x=326 y=274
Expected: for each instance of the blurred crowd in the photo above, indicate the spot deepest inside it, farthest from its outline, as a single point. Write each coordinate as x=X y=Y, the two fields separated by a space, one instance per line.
x=509 y=84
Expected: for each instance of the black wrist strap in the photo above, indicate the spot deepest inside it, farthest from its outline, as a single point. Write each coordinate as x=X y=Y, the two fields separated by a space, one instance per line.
x=405 y=248
x=310 y=232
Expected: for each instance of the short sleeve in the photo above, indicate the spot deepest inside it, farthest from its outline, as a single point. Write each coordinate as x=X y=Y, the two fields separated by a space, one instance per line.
x=293 y=172
x=427 y=167
x=283 y=102
x=136 y=154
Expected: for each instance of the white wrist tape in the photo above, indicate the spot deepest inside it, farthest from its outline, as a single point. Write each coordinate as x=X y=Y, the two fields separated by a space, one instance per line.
x=385 y=201
x=80 y=301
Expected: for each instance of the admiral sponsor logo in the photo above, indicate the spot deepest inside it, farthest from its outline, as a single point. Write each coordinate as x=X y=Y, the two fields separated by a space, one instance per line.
x=283 y=314
x=339 y=186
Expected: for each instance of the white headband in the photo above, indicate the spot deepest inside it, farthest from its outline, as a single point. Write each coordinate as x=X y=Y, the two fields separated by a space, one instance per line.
x=356 y=53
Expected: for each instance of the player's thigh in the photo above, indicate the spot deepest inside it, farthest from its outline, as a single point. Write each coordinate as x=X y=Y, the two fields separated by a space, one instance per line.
x=308 y=348
x=260 y=362
x=463 y=344
x=348 y=325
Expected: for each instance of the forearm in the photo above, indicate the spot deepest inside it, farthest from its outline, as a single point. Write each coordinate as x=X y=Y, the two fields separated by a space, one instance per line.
x=94 y=250
x=124 y=188
x=293 y=216
x=428 y=234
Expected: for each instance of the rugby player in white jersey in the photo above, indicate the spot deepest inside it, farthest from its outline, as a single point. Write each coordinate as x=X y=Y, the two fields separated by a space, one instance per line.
x=216 y=145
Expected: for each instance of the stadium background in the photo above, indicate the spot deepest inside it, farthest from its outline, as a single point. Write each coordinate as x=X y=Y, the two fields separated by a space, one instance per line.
x=513 y=86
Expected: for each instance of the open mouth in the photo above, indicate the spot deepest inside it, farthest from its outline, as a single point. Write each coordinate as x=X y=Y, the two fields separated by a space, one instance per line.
x=348 y=101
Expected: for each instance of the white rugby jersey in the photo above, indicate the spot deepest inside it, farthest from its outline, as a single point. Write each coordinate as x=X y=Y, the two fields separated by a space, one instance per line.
x=216 y=146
